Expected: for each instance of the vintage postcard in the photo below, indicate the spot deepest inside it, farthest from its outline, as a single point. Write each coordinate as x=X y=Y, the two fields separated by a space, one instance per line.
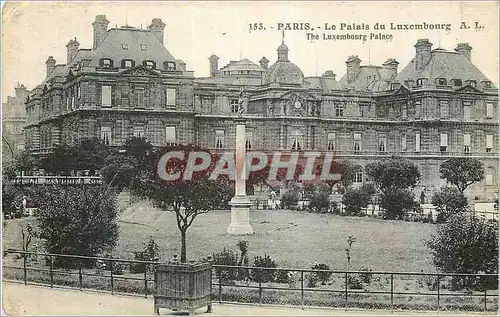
x=250 y=158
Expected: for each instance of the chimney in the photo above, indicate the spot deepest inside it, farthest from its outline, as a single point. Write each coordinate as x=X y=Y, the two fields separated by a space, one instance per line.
x=100 y=27
x=392 y=64
x=51 y=64
x=464 y=49
x=72 y=48
x=353 y=68
x=422 y=53
x=182 y=65
x=157 y=27
x=264 y=63
x=329 y=74
x=214 y=65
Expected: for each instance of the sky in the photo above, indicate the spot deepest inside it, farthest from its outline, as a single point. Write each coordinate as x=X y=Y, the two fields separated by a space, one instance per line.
x=31 y=31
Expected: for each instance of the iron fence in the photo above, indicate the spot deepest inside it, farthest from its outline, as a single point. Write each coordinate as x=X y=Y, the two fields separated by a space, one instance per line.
x=285 y=286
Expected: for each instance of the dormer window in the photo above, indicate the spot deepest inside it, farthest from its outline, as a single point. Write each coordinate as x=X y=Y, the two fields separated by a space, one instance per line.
x=486 y=83
x=456 y=82
x=144 y=47
x=106 y=63
x=409 y=83
x=421 y=81
x=128 y=63
x=125 y=46
x=149 y=64
x=169 y=65
x=472 y=83
x=441 y=81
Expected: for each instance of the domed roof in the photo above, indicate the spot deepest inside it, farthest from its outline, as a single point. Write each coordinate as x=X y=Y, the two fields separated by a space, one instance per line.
x=283 y=47
x=284 y=72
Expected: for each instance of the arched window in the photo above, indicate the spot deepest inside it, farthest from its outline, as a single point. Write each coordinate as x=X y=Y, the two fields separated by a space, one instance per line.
x=296 y=139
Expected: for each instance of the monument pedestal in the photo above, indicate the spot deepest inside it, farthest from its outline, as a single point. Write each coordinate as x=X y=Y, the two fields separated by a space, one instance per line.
x=240 y=204
x=240 y=216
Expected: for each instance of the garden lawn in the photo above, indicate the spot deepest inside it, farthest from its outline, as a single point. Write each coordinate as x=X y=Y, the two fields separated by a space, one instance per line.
x=293 y=239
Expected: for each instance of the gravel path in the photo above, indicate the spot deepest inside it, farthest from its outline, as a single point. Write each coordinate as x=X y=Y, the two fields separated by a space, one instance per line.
x=19 y=299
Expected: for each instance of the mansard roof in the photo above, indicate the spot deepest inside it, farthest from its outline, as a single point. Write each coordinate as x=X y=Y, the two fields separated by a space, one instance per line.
x=443 y=64
x=243 y=65
x=134 y=44
x=370 y=78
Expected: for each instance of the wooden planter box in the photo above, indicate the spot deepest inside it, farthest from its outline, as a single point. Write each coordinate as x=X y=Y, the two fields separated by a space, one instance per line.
x=183 y=287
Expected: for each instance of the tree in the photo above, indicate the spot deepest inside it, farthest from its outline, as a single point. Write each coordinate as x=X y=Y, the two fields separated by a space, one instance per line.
x=291 y=196
x=89 y=154
x=78 y=221
x=395 y=177
x=60 y=161
x=123 y=168
x=462 y=172
x=449 y=200
x=355 y=199
x=188 y=198
x=26 y=162
x=318 y=196
x=465 y=244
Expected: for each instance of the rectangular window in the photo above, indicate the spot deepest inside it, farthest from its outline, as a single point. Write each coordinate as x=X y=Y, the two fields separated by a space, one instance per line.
x=127 y=64
x=489 y=110
x=382 y=143
x=72 y=102
x=219 y=139
x=106 y=135
x=144 y=47
x=403 y=143
x=139 y=132
x=404 y=111
x=358 y=176
x=125 y=46
x=139 y=95
x=78 y=91
x=467 y=108
x=106 y=96
x=170 y=136
x=357 y=142
x=489 y=143
x=170 y=94
x=444 y=108
x=417 y=142
x=443 y=144
x=248 y=141
x=466 y=143
x=418 y=108
x=330 y=146
x=339 y=110
x=234 y=105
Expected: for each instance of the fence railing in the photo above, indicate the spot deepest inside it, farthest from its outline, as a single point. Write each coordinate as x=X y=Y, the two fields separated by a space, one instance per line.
x=342 y=289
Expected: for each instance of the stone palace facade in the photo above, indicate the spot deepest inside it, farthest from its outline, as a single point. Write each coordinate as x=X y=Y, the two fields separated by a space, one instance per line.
x=128 y=84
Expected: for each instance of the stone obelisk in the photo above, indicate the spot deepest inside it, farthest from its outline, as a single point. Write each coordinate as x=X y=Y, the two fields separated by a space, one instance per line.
x=240 y=204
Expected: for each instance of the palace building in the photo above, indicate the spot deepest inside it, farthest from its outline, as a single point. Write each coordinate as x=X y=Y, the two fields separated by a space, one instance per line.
x=128 y=84
x=13 y=122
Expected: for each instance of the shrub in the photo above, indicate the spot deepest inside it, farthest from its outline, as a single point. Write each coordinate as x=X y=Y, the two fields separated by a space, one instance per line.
x=465 y=244
x=117 y=268
x=397 y=203
x=318 y=196
x=323 y=277
x=78 y=221
x=354 y=281
x=226 y=257
x=263 y=275
x=448 y=201
x=312 y=280
x=357 y=199
x=291 y=196
x=366 y=277
x=283 y=276
x=151 y=253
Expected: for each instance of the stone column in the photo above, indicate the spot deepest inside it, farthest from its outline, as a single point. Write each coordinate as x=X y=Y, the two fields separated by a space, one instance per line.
x=240 y=204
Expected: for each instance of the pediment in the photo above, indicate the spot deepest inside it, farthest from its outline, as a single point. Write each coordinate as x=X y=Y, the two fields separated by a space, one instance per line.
x=139 y=71
x=293 y=94
x=402 y=90
x=467 y=89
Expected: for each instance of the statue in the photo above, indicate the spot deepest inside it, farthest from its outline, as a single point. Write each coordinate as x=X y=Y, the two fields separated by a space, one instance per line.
x=270 y=107
x=241 y=107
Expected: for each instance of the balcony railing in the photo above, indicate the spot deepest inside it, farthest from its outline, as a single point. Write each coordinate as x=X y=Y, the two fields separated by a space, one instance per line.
x=57 y=180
